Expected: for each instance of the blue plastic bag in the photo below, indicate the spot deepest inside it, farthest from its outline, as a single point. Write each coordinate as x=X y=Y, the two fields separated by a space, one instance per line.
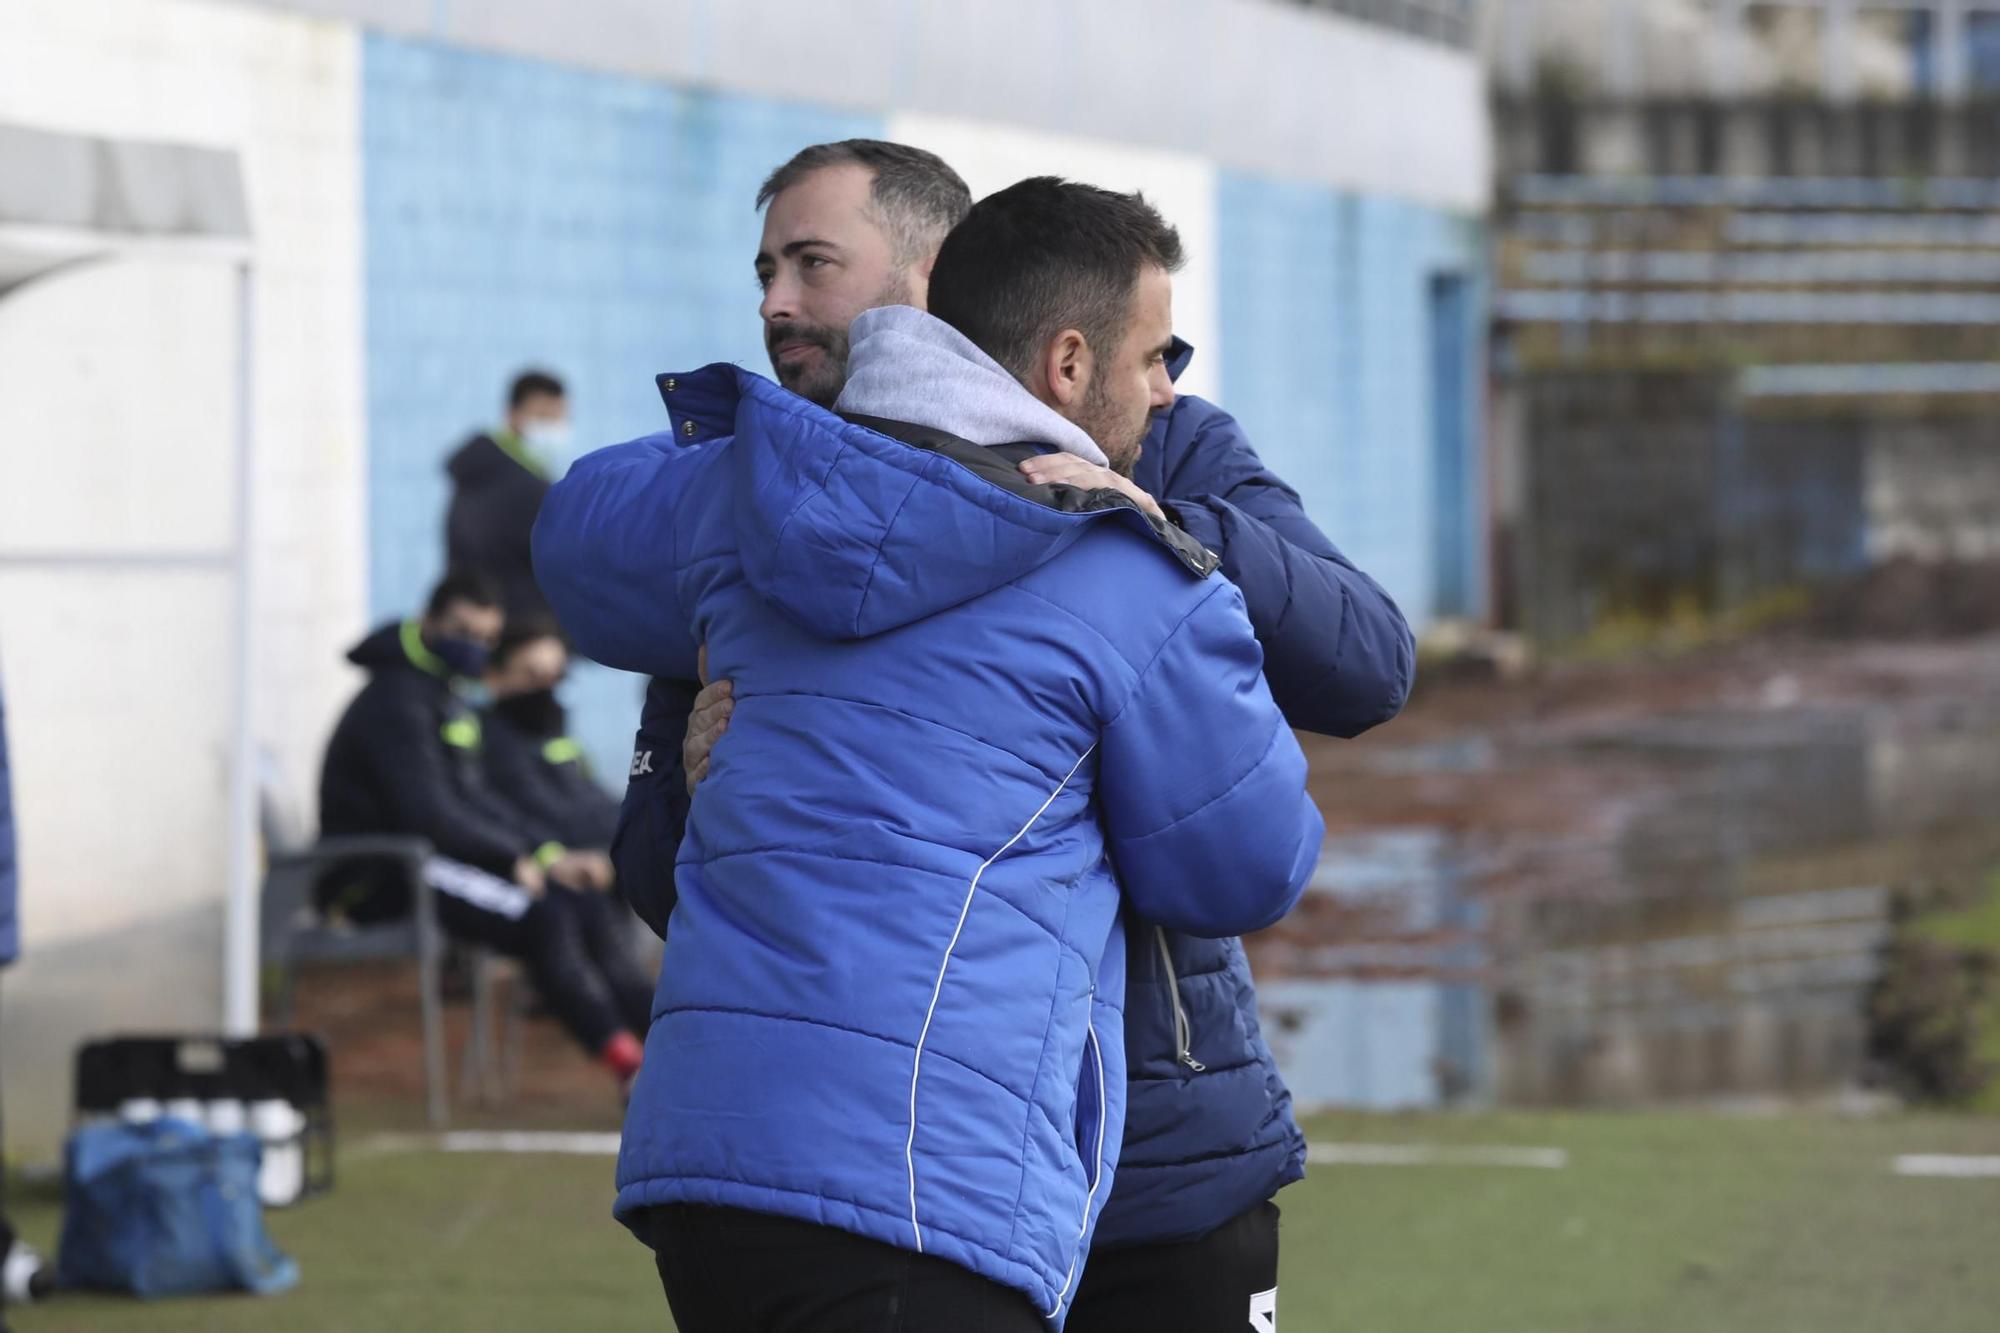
x=166 y=1209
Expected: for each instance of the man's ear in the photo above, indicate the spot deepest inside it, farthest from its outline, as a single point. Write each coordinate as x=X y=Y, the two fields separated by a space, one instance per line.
x=917 y=281
x=1066 y=367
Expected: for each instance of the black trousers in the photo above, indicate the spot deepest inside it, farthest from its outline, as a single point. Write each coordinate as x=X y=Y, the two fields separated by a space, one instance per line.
x=726 y=1270
x=1226 y=1282
x=575 y=950
x=575 y=946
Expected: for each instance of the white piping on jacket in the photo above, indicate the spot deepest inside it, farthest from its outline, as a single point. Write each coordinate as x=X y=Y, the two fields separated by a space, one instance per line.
x=916 y=1065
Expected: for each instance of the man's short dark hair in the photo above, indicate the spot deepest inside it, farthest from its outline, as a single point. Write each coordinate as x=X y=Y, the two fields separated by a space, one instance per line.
x=916 y=194
x=469 y=586
x=1046 y=255
x=533 y=384
x=523 y=630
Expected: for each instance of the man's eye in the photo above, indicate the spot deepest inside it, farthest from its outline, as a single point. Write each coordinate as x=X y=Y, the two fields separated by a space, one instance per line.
x=813 y=261
x=763 y=281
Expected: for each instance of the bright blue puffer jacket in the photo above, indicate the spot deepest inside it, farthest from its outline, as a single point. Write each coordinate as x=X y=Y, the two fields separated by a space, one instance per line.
x=891 y=996
x=1209 y=1130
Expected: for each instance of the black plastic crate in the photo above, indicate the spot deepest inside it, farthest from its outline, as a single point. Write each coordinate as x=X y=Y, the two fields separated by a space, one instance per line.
x=288 y=1067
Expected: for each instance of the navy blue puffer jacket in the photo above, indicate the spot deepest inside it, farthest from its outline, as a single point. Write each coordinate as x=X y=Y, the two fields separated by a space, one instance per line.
x=1209 y=1130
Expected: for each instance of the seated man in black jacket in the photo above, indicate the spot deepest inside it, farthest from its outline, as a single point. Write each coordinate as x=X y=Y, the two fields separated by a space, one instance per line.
x=537 y=768
x=530 y=757
x=408 y=757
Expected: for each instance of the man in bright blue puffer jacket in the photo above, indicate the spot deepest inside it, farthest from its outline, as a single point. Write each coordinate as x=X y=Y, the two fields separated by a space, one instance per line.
x=887 y=1056
x=1188 y=1238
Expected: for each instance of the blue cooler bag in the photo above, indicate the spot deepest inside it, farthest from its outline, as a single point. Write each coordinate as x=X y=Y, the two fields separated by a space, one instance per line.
x=166 y=1209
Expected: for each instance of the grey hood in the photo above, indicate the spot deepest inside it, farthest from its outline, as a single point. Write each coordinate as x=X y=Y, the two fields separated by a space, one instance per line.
x=906 y=365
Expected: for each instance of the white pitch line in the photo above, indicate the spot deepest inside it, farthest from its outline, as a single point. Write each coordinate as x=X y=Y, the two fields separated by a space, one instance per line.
x=1435 y=1154
x=1947 y=1165
x=567 y=1144
x=1323 y=1154
x=522 y=1141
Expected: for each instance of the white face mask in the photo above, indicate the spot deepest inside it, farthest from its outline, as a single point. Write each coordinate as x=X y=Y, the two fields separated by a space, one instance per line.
x=548 y=437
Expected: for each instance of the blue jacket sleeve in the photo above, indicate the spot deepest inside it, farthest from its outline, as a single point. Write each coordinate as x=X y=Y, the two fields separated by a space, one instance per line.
x=653 y=817
x=608 y=561
x=1338 y=653
x=1203 y=786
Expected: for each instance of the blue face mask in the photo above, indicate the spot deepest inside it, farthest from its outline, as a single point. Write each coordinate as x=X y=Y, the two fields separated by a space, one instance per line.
x=461 y=657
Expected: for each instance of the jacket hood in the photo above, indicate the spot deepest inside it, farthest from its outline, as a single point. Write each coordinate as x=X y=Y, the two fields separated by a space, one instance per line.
x=909 y=366
x=397 y=644
x=484 y=457
x=852 y=531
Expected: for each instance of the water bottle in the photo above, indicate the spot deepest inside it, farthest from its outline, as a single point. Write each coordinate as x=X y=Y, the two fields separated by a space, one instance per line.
x=23 y=1275
x=184 y=1108
x=282 y=1177
x=226 y=1117
x=139 y=1110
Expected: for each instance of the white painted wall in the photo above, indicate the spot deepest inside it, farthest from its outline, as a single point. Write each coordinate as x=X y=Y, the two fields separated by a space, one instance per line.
x=1250 y=84
x=116 y=434
x=112 y=442
x=1182 y=187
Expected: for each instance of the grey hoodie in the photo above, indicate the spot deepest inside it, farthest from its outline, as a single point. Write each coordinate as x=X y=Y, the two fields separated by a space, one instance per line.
x=906 y=365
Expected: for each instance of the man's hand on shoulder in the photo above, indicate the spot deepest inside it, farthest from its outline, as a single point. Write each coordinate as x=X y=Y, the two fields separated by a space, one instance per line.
x=1069 y=470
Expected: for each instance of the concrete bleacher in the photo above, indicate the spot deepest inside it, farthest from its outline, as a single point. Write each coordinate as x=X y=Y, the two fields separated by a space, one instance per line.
x=1784 y=378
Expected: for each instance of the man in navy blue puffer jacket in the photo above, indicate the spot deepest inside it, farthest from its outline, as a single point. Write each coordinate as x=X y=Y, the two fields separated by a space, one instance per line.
x=1187 y=1239
x=886 y=1072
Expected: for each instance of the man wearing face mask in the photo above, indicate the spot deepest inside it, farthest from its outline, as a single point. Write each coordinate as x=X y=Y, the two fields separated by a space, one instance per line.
x=498 y=481
x=408 y=757
x=530 y=757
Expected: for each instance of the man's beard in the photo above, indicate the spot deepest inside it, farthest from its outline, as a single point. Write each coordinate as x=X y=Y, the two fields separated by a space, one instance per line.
x=823 y=382
x=1112 y=429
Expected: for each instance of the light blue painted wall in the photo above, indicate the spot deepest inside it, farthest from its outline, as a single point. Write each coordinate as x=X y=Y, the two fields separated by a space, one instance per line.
x=1365 y=1045
x=1327 y=360
x=524 y=213
x=1418 y=1033
x=1455 y=528
x=519 y=213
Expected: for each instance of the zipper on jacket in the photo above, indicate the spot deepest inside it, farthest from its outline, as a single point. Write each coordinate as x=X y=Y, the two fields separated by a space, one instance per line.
x=1103 y=1109
x=1094 y=1055
x=1183 y=1036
